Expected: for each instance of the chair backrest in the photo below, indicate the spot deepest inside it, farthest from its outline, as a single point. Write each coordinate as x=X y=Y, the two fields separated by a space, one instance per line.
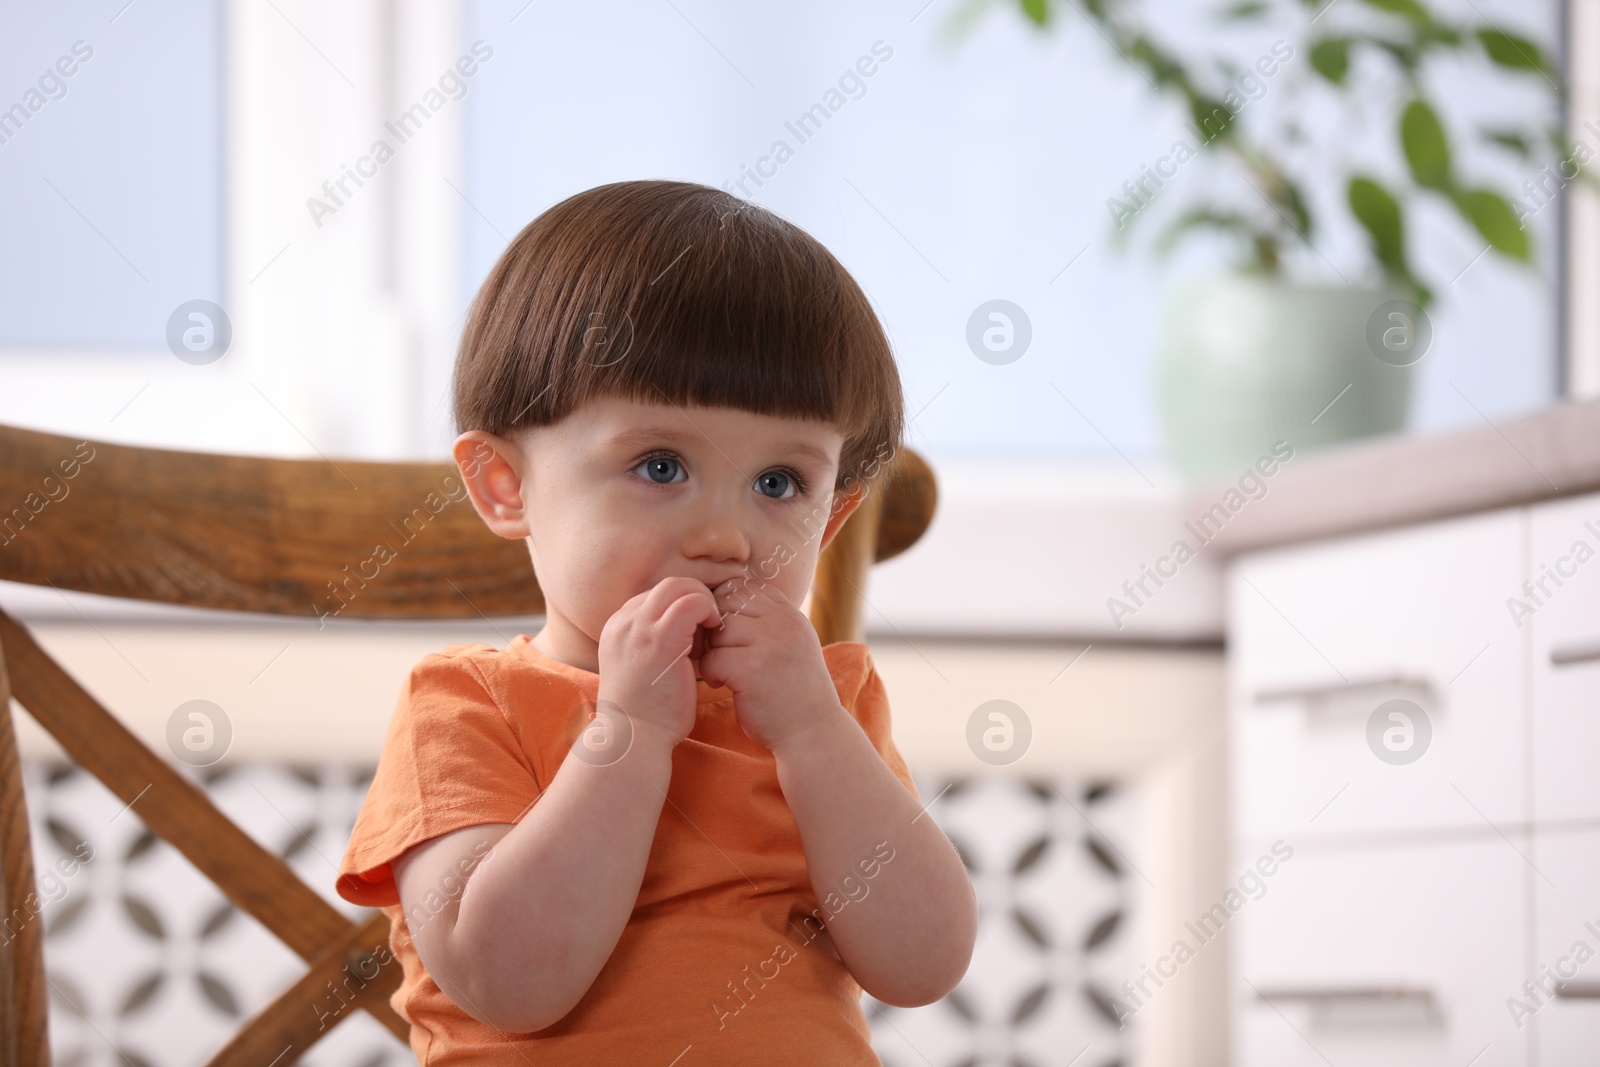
x=284 y=537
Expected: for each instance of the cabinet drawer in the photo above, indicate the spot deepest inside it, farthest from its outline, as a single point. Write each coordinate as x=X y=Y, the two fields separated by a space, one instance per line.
x=1398 y=956
x=1322 y=635
x=1560 y=607
x=1566 y=955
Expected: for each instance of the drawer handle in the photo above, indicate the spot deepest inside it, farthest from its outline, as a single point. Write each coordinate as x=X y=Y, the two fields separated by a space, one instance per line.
x=1350 y=994
x=1578 y=990
x=1327 y=689
x=1577 y=652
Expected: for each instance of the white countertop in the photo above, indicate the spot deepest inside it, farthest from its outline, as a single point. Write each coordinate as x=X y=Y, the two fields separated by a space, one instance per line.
x=1399 y=479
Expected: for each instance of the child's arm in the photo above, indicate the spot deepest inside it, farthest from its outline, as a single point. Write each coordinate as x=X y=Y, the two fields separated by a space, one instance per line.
x=909 y=939
x=521 y=944
x=542 y=913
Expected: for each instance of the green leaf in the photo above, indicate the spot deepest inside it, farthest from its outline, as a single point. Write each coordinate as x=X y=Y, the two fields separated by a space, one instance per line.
x=1568 y=153
x=1212 y=119
x=1514 y=52
x=1249 y=9
x=1512 y=140
x=1378 y=212
x=1407 y=9
x=1163 y=68
x=1265 y=248
x=1420 y=292
x=1426 y=147
x=1296 y=203
x=1038 y=11
x=1437 y=34
x=1494 y=220
x=1330 y=57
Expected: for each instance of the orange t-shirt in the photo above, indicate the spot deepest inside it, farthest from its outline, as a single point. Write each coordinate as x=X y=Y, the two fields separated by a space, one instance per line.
x=720 y=961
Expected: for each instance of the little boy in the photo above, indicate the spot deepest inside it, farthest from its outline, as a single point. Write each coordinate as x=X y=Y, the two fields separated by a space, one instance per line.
x=671 y=828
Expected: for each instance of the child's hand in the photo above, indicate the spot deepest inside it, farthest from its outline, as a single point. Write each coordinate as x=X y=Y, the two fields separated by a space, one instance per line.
x=767 y=652
x=644 y=670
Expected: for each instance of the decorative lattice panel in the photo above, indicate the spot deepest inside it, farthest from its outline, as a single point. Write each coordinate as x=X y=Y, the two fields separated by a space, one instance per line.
x=150 y=967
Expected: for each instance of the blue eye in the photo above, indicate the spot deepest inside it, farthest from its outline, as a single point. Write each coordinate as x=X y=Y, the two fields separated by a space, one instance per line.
x=783 y=478
x=660 y=467
x=655 y=464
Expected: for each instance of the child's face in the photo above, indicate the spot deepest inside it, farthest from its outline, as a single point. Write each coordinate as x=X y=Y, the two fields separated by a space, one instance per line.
x=622 y=493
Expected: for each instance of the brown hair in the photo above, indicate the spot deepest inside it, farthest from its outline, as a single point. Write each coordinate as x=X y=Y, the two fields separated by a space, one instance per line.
x=666 y=291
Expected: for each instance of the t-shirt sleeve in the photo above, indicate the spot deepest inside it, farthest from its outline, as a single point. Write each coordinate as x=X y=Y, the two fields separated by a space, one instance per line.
x=871 y=710
x=450 y=760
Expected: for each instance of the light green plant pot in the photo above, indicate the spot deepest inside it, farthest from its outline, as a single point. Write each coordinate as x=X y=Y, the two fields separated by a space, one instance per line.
x=1246 y=362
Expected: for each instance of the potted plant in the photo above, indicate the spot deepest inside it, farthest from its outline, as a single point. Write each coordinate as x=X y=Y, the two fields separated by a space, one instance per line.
x=1255 y=356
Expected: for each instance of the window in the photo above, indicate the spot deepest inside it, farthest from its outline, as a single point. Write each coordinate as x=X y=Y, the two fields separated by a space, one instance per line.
x=959 y=173
x=111 y=171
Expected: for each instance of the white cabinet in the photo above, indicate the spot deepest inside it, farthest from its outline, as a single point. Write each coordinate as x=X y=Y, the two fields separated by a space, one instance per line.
x=1443 y=909
x=1320 y=636
x=1398 y=955
x=1560 y=609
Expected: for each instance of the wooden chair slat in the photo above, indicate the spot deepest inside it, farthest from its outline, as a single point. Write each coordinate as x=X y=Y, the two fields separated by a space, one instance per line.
x=910 y=496
x=841 y=572
x=281 y=536
x=307 y=1011
x=170 y=805
x=24 y=1040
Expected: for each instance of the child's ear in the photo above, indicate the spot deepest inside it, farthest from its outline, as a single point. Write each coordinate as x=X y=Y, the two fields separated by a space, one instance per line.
x=844 y=502
x=491 y=467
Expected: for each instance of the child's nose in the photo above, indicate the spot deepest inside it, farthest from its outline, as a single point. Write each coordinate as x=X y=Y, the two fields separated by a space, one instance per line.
x=717 y=530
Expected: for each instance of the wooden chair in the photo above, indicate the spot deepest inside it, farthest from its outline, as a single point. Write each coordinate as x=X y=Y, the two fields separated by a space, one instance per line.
x=265 y=535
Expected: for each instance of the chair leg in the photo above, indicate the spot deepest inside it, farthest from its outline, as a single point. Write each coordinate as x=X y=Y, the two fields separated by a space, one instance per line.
x=24 y=1039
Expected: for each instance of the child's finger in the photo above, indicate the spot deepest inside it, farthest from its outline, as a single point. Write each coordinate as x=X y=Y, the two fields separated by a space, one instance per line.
x=655 y=601
x=690 y=610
